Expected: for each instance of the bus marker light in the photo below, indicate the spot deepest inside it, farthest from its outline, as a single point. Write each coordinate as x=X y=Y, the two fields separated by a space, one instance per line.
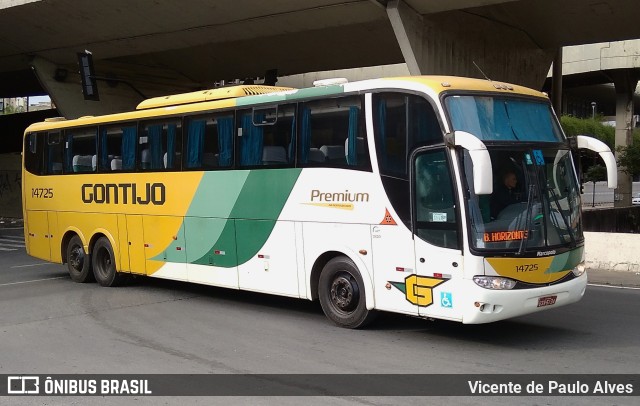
x=437 y=275
x=399 y=269
x=219 y=252
x=146 y=245
x=262 y=256
x=175 y=238
x=363 y=252
x=178 y=248
x=388 y=286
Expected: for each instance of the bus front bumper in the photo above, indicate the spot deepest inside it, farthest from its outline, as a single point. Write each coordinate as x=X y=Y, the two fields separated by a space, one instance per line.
x=485 y=305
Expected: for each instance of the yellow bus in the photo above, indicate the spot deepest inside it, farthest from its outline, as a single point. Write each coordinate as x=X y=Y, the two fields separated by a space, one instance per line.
x=437 y=197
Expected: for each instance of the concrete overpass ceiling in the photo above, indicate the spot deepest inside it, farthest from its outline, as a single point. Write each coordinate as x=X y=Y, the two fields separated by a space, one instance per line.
x=57 y=29
x=290 y=54
x=553 y=23
x=191 y=44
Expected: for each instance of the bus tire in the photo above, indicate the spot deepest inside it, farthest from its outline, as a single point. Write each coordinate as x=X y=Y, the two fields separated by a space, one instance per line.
x=78 y=262
x=341 y=293
x=104 y=264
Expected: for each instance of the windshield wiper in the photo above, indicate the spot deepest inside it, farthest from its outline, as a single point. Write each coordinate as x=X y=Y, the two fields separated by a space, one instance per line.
x=564 y=219
x=530 y=194
x=528 y=218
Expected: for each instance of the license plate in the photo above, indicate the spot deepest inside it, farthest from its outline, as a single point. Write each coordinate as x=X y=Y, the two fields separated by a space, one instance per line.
x=547 y=301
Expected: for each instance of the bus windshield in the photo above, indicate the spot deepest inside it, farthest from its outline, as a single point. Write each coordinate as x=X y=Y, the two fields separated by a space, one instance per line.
x=535 y=204
x=498 y=118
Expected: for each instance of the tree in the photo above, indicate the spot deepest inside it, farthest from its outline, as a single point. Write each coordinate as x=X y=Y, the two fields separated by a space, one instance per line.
x=629 y=158
x=595 y=173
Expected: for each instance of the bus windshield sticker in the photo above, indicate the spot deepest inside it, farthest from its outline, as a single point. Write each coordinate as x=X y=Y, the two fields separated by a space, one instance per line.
x=539 y=157
x=439 y=217
x=528 y=158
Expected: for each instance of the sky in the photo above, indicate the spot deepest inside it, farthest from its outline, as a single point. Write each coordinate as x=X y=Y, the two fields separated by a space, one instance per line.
x=37 y=99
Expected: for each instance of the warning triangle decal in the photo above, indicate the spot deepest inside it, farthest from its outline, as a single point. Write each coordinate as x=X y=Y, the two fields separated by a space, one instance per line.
x=388 y=220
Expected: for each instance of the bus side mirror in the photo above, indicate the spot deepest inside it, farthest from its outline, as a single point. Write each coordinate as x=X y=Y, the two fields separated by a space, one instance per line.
x=482 y=169
x=603 y=150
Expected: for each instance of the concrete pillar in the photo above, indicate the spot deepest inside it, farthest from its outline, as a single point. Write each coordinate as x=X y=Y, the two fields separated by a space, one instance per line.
x=454 y=42
x=407 y=25
x=63 y=86
x=556 y=83
x=625 y=81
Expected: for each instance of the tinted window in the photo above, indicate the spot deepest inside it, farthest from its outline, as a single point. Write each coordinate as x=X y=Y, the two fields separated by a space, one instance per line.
x=209 y=141
x=33 y=152
x=54 y=153
x=402 y=122
x=80 y=150
x=159 y=145
x=266 y=136
x=435 y=208
x=494 y=118
x=332 y=134
x=118 y=147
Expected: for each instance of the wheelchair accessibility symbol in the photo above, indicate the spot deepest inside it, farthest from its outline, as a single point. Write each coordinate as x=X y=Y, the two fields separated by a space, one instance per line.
x=445 y=299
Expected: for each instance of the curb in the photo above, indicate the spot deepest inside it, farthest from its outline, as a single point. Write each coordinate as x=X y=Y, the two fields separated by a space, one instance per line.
x=614 y=278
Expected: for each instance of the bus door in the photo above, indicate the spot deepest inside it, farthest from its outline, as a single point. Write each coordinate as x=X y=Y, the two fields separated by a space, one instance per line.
x=394 y=263
x=436 y=234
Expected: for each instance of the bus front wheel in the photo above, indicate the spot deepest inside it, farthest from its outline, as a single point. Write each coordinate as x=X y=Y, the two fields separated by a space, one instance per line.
x=104 y=264
x=341 y=294
x=78 y=262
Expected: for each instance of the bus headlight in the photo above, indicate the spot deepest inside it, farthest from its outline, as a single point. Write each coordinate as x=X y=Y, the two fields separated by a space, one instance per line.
x=579 y=269
x=494 y=282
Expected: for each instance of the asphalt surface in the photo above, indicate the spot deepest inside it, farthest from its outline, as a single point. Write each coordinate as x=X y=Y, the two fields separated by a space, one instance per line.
x=50 y=325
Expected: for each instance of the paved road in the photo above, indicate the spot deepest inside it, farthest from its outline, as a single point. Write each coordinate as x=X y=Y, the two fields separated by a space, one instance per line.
x=49 y=324
x=603 y=195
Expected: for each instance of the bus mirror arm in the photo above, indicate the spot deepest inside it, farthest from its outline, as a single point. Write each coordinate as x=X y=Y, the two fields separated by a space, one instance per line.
x=603 y=150
x=482 y=169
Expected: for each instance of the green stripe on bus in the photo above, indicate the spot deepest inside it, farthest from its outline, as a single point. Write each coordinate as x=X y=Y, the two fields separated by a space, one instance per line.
x=256 y=198
x=566 y=261
x=295 y=95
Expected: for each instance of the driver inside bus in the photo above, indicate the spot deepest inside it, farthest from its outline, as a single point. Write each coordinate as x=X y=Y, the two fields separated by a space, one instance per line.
x=506 y=193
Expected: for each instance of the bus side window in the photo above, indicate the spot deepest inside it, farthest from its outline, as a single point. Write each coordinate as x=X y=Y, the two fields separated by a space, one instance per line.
x=268 y=136
x=159 y=145
x=54 y=153
x=332 y=134
x=80 y=150
x=402 y=122
x=209 y=141
x=33 y=152
x=117 y=147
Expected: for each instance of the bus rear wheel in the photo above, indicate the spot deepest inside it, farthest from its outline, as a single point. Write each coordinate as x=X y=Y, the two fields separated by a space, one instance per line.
x=104 y=264
x=78 y=262
x=341 y=294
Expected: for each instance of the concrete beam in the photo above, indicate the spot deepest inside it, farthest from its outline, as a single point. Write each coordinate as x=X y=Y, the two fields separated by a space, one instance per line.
x=454 y=41
x=66 y=92
x=408 y=28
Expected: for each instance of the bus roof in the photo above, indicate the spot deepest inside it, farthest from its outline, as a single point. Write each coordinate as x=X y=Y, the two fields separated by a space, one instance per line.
x=209 y=95
x=247 y=95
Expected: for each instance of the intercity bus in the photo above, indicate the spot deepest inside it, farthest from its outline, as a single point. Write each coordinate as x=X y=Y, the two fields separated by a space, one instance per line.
x=379 y=195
